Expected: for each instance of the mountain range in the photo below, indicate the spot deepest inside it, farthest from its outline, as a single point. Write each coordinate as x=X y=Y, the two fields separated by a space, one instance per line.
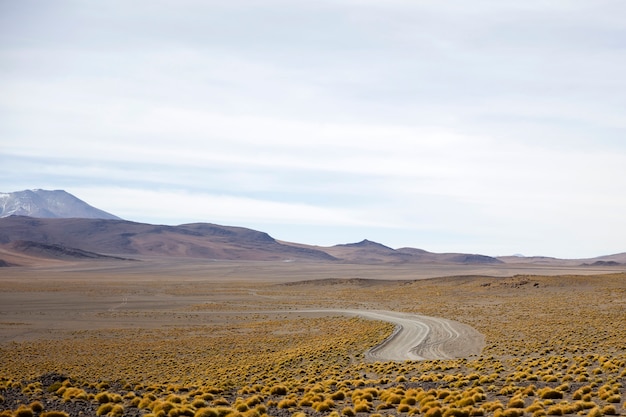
x=40 y=224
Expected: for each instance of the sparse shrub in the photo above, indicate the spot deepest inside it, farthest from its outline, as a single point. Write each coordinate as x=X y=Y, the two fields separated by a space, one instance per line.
x=287 y=403
x=144 y=403
x=383 y=406
x=36 y=406
x=555 y=410
x=306 y=402
x=409 y=400
x=614 y=399
x=254 y=400
x=443 y=394
x=260 y=409
x=456 y=412
x=206 y=412
x=393 y=399
x=563 y=387
x=434 y=412
x=162 y=406
x=362 y=407
x=199 y=403
x=104 y=409
x=188 y=411
x=117 y=410
x=512 y=412
x=595 y=412
x=55 y=386
x=103 y=397
x=243 y=407
x=466 y=402
x=493 y=405
x=533 y=407
x=323 y=405
x=103 y=385
x=338 y=395
x=225 y=411
x=348 y=412
x=609 y=410
x=174 y=399
x=23 y=411
x=550 y=394
x=74 y=393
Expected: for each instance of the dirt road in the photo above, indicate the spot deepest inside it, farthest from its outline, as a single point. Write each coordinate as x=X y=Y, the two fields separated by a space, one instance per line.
x=420 y=337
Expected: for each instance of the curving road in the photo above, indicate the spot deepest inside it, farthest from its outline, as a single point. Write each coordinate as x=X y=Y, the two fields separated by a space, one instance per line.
x=418 y=337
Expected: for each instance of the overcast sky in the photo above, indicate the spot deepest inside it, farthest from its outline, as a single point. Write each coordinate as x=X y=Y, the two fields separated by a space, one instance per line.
x=486 y=126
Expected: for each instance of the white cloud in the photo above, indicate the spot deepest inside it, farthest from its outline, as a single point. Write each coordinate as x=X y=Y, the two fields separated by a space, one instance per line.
x=492 y=122
x=185 y=207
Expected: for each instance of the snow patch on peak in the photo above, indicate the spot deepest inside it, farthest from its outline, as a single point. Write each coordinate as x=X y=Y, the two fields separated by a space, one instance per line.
x=48 y=204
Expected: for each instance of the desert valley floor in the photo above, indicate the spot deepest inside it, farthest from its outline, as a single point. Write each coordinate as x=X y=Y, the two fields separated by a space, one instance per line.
x=182 y=337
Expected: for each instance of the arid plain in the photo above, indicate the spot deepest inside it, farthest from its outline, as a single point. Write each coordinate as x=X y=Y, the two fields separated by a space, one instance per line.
x=174 y=337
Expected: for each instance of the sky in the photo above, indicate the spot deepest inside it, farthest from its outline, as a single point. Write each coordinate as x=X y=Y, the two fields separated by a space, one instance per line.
x=490 y=126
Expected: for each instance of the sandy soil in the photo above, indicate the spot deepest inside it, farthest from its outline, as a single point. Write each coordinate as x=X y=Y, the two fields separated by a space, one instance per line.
x=33 y=315
x=50 y=302
x=53 y=302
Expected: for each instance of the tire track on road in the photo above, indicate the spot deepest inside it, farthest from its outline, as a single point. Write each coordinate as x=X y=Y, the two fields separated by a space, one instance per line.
x=418 y=337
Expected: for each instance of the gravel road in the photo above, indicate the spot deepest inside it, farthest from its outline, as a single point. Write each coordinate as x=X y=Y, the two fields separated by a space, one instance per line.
x=418 y=337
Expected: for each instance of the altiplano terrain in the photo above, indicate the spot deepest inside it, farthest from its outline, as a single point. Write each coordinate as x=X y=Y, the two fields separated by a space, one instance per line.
x=174 y=337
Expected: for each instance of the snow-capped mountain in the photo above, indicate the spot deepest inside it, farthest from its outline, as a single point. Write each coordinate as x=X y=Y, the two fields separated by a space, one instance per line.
x=48 y=204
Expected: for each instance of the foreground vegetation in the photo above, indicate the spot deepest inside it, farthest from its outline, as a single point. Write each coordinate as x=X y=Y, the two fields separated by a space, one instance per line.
x=555 y=346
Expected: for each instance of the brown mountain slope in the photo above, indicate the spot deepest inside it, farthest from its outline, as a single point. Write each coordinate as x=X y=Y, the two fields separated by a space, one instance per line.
x=53 y=251
x=617 y=257
x=196 y=240
x=61 y=239
x=606 y=260
x=455 y=258
x=367 y=251
x=119 y=237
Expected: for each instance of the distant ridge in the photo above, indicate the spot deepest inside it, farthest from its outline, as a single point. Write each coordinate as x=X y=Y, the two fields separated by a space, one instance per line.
x=90 y=238
x=365 y=244
x=42 y=224
x=56 y=251
x=48 y=204
x=129 y=239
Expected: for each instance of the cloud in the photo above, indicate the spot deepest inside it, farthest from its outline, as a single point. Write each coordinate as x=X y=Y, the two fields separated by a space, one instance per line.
x=184 y=207
x=487 y=125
